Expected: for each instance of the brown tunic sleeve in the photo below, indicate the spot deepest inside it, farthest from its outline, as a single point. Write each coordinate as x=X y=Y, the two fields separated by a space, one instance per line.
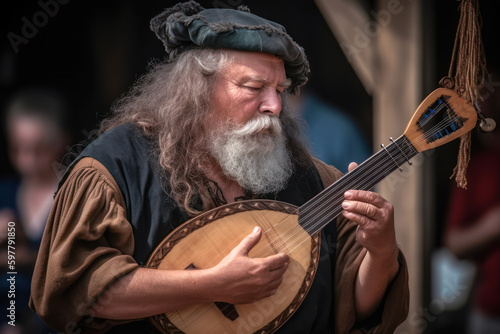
x=87 y=245
x=349 y=257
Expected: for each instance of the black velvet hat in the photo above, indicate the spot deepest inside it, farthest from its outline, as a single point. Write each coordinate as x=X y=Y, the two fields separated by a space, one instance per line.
x=187 y=25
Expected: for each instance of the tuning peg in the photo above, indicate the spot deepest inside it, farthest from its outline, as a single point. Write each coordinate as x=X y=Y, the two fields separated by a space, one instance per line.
x=487 y=124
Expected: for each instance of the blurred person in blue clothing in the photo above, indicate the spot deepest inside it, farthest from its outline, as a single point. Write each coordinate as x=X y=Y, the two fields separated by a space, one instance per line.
x=327 y=128
x=36 y=138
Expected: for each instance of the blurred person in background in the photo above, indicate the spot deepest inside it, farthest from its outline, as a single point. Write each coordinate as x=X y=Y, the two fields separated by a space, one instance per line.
x=326 y=129
x=36 y=137
x=473 y=225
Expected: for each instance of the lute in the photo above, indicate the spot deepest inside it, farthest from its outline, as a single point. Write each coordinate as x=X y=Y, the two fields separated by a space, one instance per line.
x=205 y=240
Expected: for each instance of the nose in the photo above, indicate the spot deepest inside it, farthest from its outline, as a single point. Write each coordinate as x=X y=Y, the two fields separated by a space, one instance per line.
x=271 y=101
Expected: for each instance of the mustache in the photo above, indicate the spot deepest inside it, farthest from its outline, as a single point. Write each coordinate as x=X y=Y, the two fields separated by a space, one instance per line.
x=264 y=123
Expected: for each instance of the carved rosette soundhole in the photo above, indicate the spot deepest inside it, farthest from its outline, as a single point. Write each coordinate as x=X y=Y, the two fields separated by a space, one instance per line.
x=164 y=325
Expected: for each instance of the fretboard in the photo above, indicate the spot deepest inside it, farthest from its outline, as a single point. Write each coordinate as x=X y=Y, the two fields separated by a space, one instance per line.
x=326 y=206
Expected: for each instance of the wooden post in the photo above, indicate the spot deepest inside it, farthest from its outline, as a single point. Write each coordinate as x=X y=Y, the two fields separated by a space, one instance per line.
x=384 y=47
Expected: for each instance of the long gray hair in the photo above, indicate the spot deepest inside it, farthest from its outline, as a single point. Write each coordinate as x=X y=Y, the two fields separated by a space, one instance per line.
x=170 y=105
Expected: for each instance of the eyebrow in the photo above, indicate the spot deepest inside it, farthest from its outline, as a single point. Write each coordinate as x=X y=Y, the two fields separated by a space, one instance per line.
x=285 y=84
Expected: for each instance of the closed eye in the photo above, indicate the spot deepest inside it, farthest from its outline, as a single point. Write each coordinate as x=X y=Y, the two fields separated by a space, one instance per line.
x=253 y=88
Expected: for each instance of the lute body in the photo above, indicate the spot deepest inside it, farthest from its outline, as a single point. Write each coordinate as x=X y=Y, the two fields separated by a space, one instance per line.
x=204 y=241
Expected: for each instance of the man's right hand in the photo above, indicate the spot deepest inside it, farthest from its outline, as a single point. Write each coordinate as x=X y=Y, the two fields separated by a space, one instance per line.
x=237 y=279
x=243 y=279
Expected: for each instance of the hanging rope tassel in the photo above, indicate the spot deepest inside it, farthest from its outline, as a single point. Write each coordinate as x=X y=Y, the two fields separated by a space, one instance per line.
x=468 y=70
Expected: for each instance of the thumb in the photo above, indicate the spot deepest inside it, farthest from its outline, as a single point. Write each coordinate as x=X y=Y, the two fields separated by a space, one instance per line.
x=249 y=241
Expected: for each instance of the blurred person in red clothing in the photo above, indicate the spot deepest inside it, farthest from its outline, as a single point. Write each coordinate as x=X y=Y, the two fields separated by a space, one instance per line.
x=473 y=226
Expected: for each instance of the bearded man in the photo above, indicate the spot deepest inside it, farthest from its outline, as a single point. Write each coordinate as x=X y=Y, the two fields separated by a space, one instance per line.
x=209 y=126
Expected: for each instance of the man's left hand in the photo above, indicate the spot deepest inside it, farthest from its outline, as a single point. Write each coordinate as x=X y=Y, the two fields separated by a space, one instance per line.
x=375 y=218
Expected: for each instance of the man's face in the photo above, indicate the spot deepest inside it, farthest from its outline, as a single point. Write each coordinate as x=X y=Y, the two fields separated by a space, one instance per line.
x=252 y=84
x=33 y=146
x=247 y=139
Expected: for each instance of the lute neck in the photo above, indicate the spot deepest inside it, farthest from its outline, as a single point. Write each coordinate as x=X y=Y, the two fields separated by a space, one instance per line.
x=326 y=206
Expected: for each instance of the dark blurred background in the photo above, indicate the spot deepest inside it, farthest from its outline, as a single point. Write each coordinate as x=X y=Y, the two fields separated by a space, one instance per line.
x=92 y=51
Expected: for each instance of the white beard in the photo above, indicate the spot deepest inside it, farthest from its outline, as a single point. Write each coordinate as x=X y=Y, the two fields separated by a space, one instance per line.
x=255 y=154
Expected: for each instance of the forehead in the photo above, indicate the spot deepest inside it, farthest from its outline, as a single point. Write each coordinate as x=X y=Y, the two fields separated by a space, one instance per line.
x=256 y=64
